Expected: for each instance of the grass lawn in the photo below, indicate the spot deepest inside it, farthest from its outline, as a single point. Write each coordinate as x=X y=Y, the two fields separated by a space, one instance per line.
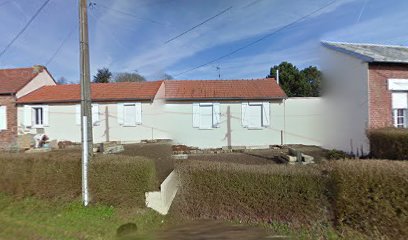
x=30 y=218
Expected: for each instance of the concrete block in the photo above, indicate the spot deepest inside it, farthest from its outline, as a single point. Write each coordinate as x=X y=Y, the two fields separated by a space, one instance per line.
x=113 y=149
x=258 y=147
x=307 y=158
x=180 y=156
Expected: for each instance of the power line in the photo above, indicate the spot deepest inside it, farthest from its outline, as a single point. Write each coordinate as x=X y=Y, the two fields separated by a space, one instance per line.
x=362 y=10
x=25 y=27
x=127 y=13
x=196 y=26
x=260 y=39
x=60 y=46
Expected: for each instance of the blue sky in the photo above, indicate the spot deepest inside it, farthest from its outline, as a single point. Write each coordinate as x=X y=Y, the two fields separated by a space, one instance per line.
x=129 y=35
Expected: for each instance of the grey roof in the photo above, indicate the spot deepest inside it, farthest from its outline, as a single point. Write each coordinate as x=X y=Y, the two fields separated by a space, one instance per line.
x=372 y=52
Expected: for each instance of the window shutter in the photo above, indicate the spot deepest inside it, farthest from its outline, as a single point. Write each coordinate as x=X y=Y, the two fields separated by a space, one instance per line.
x=45 y=116
x=78 y=114
x=216 y=115
x=3 y=117
x=95 y=114
x=196 y=115
x=244 y=117
x=27 y=116
x=399 y=100
x=119 y=108
x=265 y=114
x=138 y=113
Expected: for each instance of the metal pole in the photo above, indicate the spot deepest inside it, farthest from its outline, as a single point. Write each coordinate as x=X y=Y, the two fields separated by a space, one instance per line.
x=86 y=107
x=85 y=194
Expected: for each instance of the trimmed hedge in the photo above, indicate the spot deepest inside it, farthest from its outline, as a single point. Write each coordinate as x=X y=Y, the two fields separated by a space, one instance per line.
x=389 y=143
x=115 y=180
x=371 y=196
x=121 y=180
x=289 y=194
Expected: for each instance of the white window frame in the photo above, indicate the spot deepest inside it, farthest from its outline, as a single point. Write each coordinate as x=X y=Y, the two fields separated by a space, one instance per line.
x=125 y=123
x=34 y=112
x=265 y=114
x=396 y=115
x=3 y=118
x=215 y=116
x=121 y=114
x=399 y=108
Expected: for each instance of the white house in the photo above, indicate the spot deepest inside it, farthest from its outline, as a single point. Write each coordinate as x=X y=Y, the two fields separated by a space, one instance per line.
x=367 y=89
x=207 y=113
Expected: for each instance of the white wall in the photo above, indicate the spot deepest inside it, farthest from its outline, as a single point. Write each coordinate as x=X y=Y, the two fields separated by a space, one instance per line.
x=42 y=79
x=63 y=126
x=346 y=101
x=174 y=121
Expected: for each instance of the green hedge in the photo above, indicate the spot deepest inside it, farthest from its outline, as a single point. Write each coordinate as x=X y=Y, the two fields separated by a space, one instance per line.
x=389 y=143
x=289 y=194
x=121 y=180
x=56 y=175
x=371 y=196
x=368 y=196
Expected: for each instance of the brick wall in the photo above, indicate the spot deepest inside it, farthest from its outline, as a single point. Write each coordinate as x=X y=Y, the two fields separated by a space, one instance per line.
x=380 y=107
x=8 y=137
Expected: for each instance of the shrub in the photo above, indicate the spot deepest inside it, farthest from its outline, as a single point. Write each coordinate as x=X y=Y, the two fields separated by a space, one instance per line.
x=389 y=143
x=114 y=180
x=291 y=194
x=121 y=180
x=371 y=196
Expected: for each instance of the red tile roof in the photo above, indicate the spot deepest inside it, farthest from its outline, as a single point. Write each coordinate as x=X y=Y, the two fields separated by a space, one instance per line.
x=123 y=91
x=12 y=80
x=223 y=89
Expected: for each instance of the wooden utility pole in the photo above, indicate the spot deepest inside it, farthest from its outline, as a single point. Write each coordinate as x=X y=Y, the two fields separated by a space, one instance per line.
x=86 y=105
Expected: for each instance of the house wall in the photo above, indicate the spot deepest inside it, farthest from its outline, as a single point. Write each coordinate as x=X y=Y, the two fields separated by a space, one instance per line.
x=62 y=124
x=42 y=79
x=346 y=101
x=380 y=114
x=174 y=121
x=8 y=136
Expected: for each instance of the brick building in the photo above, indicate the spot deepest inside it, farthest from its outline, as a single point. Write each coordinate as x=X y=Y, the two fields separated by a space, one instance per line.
x=367 y=89
x=15 y=83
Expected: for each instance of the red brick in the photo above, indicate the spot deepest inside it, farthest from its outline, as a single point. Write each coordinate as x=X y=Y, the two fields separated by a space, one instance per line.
x=8 y=137
x=380 y=107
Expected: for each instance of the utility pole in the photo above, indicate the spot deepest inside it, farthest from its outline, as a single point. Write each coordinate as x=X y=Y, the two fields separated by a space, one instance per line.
x=86 y=106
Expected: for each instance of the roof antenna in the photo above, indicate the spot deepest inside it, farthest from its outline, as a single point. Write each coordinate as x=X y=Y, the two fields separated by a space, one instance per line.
x=219 y=72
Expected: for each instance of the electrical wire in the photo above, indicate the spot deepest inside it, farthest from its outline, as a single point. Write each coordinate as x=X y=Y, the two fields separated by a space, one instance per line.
x=24 y=28
x=260 y=39
x=198 y=25
x=60 y=46
x=127 y=13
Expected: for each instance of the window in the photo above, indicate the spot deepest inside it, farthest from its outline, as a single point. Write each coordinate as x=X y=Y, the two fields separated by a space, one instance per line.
x=255 y=115
x=129 y=114
x=36 y=116
x=400 y=118
x=399 y=109
x=206 y=115
x=3 y=118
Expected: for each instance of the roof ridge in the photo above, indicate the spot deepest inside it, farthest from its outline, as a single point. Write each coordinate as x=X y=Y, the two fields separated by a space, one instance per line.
x=366 y=44
x=224 y=80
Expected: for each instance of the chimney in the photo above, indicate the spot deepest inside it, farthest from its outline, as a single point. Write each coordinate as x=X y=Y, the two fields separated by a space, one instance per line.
x=38 y=68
